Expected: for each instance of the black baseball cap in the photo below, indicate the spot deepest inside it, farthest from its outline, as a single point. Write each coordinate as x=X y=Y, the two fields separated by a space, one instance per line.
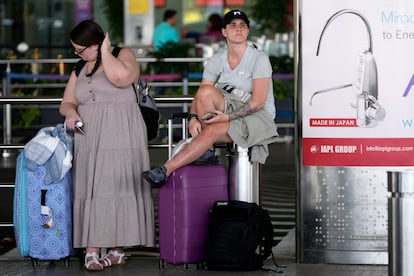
x=228 y=17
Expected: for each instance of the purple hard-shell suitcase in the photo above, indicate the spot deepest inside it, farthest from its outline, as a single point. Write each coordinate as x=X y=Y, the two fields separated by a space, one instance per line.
x=184 y=204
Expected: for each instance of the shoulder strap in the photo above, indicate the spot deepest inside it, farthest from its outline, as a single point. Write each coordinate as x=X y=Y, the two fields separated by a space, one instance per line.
x=79 y=65
x=268 y=241
x=268 y=233
x=116 y=50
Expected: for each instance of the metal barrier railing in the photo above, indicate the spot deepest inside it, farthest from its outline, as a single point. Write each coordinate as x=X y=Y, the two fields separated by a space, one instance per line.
x=31 y=100
x=7 y=86
x=158 y=80
x=37 y=100
x=6 y=100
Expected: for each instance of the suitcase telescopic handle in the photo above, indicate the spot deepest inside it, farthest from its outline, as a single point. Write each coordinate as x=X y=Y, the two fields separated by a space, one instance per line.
x=184 y=119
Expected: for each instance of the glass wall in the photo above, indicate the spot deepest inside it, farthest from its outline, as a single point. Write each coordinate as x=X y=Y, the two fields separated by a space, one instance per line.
x=42 y=24
x=45 y=24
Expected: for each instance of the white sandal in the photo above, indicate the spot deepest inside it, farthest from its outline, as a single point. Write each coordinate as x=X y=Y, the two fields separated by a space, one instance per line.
x=106 y=261
x=93 y=260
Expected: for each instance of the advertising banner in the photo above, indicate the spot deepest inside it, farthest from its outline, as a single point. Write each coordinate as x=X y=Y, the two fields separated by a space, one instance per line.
x=357 y=82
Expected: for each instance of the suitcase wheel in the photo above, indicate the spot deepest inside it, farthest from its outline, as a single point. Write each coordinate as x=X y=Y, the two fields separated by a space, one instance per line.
x=66 y=261
x=35 y=262
x=162 y=265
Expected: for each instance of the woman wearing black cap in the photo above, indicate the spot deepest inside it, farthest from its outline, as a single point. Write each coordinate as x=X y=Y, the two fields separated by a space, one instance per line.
x=237 y=90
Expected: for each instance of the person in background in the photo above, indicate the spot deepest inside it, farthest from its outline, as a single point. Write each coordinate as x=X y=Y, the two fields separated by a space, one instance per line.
x=113 y=205
x=234 y=102
x=213 y=33
x=165 y=31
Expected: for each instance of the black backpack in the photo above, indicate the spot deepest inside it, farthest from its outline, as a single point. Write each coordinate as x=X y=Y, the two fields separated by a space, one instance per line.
x=240 y=236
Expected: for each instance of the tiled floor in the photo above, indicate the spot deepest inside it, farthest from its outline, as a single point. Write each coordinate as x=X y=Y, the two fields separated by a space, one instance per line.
x=148 y=264
x=144 y=266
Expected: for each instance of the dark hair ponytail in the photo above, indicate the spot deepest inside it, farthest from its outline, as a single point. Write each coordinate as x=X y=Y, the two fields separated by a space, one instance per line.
x=97 y=62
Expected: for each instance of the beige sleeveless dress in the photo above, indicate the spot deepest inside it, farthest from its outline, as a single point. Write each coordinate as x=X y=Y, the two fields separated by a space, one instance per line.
x=112 y=202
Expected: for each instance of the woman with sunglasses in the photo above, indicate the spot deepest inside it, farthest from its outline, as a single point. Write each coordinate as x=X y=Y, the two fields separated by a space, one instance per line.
x=113 y=205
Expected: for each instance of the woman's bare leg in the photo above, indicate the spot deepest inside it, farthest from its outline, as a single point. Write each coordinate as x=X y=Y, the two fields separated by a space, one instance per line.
x=198 y=146
x=208 y=98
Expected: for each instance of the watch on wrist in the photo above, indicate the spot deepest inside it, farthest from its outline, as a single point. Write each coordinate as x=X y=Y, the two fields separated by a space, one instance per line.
x=192 y=115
